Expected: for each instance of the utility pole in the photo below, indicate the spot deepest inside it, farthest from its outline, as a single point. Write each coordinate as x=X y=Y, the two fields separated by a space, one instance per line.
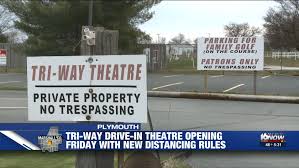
x=90 y=16
x=90 y=12
x=158 y=38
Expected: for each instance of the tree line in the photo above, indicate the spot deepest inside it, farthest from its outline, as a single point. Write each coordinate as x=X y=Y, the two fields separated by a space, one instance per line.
x=53 y=27
x=281 y=28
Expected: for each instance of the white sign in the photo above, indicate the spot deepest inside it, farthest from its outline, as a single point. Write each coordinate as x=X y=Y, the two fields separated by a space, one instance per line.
x=230 y=53
x=3 y=57
x=94 y=88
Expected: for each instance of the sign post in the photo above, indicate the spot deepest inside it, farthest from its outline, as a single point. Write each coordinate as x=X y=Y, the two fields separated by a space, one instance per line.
x=254 y=82
x=206 y=81
x=97 y=41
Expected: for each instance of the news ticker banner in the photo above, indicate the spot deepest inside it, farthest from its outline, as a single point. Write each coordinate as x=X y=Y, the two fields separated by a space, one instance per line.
x=56 y=139
x=81 y=126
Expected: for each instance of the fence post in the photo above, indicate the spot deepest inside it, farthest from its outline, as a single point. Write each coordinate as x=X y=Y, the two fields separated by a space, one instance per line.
x=280 y=60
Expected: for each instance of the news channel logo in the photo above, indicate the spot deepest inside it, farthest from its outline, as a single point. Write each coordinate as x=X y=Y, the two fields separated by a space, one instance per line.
x=268 y=139
x=51 y=141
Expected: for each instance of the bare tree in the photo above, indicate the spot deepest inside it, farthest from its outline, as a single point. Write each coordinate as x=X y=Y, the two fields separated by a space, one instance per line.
x=179 y=39
x=241 y=30
x=144 y=39
x=6 y=23
x=15 y=36
x=195 y=41
x=282 y=25
x=163 y=40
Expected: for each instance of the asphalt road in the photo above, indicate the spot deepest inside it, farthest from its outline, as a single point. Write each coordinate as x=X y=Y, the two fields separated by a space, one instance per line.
x=266 y=85
x=186 y=114
x=244 y=160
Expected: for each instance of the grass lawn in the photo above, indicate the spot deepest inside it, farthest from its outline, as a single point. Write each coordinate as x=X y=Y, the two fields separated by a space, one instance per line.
x=36 y=159
x=288 y=62
x=12 y=70
x=61 y=159
x=18 y=88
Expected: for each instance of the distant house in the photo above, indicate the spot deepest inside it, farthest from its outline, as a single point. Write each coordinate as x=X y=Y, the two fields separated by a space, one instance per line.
x=156 y=56
x=177 y=51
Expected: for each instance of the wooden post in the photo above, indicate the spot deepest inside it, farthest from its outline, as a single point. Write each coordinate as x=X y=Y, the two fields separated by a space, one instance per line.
x=152 y=129
x=254 y=82
x=206 y=81
x=121 y=159
x=106 y=43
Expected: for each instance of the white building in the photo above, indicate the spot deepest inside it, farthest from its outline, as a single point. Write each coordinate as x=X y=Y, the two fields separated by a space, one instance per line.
x=177 y=51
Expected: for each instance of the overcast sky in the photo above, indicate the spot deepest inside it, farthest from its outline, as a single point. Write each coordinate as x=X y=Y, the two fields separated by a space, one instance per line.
x=203 y=18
